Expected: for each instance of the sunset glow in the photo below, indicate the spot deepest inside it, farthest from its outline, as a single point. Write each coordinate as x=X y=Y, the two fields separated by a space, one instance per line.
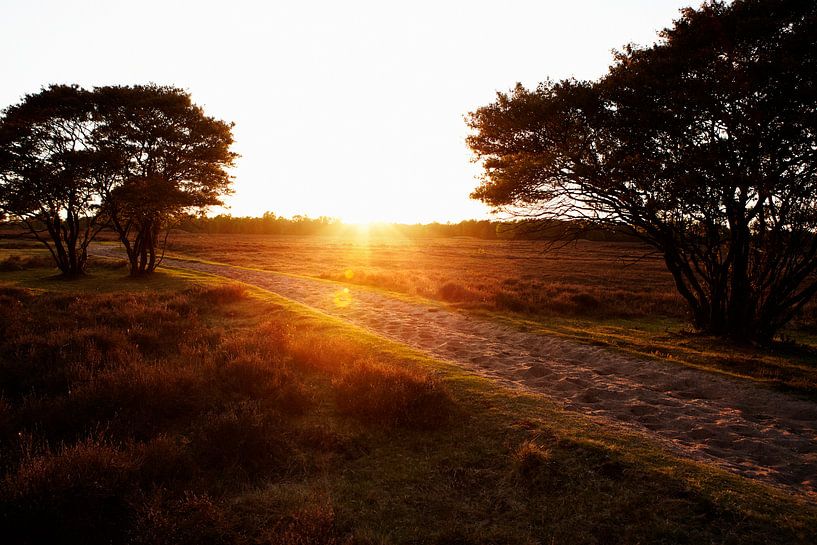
x=246 y=296
x=343 y=109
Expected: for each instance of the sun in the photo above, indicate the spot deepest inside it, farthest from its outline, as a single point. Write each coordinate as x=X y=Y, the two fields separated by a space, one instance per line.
x=354 y=215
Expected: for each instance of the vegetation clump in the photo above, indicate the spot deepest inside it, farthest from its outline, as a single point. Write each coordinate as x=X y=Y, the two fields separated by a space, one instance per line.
x=394 y=396
x=701 y=146
x=74 y=161
x=146 y=417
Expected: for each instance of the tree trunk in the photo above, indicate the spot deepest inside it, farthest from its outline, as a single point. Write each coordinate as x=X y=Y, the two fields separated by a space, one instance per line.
x=63 y=247
x=142 y=252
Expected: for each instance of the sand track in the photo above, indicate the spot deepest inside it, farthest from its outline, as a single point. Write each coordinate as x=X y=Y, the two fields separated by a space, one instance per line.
x=751 y=430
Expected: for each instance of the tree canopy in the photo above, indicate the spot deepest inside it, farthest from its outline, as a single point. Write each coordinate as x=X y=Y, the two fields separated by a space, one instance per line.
x=705 y=144
x=45 y=160
x=132 y=158
x=164 y=156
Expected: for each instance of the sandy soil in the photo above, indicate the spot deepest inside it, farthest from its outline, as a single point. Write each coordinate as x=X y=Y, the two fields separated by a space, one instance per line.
x=748 y=429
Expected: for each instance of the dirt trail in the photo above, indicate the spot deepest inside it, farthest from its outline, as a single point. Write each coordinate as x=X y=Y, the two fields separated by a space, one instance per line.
x=750 y=430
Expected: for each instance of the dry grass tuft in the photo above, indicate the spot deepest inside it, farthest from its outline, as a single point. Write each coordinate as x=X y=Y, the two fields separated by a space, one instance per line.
x=530 y=459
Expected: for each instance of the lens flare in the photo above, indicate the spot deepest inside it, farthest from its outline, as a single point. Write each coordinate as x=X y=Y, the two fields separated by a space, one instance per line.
x=342 y=298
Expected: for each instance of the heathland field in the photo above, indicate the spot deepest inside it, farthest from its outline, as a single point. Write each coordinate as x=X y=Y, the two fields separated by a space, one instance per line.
x=598 y=281
x=616 y=295
x=586 y=279
x=190 y=408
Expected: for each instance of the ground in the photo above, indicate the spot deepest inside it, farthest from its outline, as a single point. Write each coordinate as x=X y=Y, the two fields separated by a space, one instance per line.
x=386 y=442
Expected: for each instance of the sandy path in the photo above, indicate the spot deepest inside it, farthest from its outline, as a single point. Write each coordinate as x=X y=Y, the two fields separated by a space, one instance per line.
x=754 y=431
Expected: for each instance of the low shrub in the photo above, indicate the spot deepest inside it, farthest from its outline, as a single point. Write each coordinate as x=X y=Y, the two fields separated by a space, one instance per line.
x=311 y=525
x=78 y=494
x=269 y=379
x=585 y=302
x=20 y=245
x=166 y=461
x=20 y=263
x=242 y=441
x=453 y=292
x=43 y=360
x=108 y=263
x=388 y=395
x=511 y=301
x=220 y=295
x=193 y=519
x=138 y=401
x=327 y=354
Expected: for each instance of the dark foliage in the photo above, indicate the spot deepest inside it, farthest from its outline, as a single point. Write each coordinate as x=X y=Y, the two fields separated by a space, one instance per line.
x=144 y=408
x=704 y=144
x=163 y=156
x=74 y=160
x=45 y=165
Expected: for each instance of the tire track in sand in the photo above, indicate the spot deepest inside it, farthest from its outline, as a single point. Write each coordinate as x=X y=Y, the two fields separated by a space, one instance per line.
x=751 y=430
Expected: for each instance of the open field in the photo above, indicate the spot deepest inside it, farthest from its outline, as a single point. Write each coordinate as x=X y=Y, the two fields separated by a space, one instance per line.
x=605 y=294
x=253 y=314
x=599 y=280
x=187 y=409
x=733 y=423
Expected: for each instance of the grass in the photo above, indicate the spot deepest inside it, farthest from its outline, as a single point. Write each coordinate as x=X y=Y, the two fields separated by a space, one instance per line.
x=589 y=279
x=187 y=410
x=607 y=294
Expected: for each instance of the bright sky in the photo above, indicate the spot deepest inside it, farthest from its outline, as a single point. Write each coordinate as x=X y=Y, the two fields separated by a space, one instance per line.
x=350 y=109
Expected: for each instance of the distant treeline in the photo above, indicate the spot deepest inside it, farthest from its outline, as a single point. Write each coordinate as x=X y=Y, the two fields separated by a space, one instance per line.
x=270 y=224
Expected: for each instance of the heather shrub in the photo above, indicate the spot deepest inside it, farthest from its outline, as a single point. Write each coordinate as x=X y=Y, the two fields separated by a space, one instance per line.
x=178 y=411
x=38 y=359
x=328 y=354
x=166 y=460
x=510 y=301
x=108 y=263
x=253 y=376
x=139 y=401
x=453 y=292
x=381 y=394
x=78 y=494
x=220 y=295
x=20 y=263
x=20 y=245
x=243 y=440
x=311 y=525
x=585 y=302
x=193 y=519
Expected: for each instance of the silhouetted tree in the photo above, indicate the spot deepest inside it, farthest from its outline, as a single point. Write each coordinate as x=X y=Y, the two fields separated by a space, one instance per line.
x=45 y=165
x=705 y=144
x=163 y=157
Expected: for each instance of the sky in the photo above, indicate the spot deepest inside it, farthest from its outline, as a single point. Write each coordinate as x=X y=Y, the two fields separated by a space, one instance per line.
x=348 y=109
